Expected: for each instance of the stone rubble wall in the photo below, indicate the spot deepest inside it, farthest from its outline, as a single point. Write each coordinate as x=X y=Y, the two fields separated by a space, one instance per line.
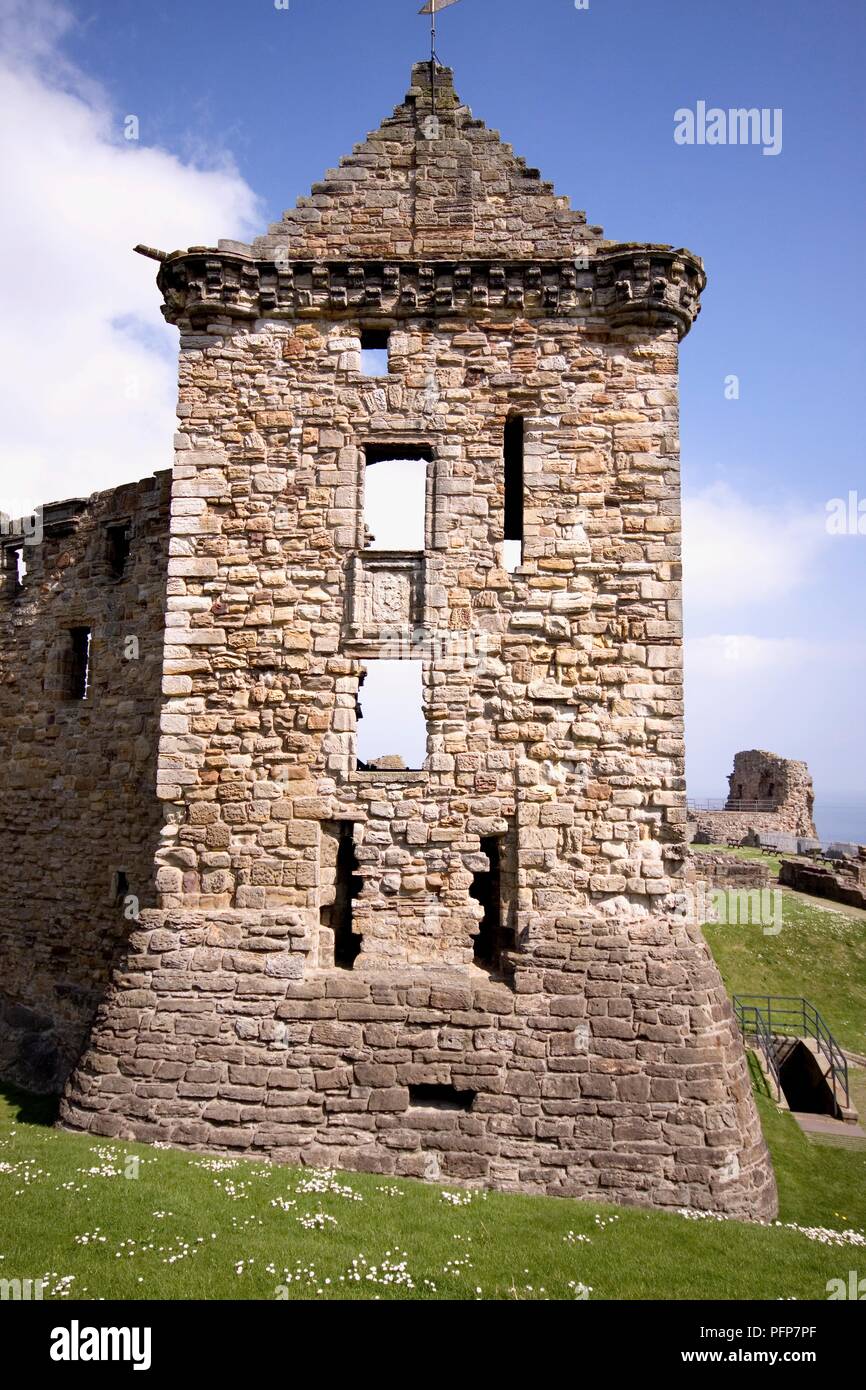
x=718 y=827
x=729 y=871
x=78 y=797
x=839 y=885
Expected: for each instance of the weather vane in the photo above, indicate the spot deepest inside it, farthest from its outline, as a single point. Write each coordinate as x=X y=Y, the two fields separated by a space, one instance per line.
x=432 y=8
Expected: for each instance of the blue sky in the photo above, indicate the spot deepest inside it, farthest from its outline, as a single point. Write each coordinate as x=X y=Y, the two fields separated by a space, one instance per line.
x=241 y=106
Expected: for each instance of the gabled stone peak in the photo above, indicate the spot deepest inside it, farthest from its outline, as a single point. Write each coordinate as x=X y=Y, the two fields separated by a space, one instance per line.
x=433 y=182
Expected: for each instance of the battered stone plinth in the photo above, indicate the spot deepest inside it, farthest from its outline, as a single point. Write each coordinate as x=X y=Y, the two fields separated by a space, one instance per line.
x=612 y=1069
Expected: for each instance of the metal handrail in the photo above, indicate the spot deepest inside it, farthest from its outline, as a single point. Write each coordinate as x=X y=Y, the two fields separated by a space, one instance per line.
x=731 y=803
x=792 y=1015
x=763 y=1037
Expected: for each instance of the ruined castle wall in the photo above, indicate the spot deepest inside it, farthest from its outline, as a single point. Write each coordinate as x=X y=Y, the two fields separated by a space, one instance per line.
x=605 y=1058
x=597 y=1053
x=78 y=775
x=721 y=826
x=563 y=695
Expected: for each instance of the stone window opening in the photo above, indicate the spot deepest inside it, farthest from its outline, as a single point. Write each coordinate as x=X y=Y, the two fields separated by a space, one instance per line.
x=119 y=887
x=493 y=939
x=434 y=1097
x=118 y=544
x=374 y=351
x=14 y=569
x=395 y=490
x=76 y=664
x=512 y=454
x=340 y=885
x=392 y=729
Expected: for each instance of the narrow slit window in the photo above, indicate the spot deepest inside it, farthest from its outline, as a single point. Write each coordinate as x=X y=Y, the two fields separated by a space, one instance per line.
x=119 y=541
x=14 y=569
x=340 y=886
x=395 y=500
x=493 y=938
x=120 y=887
x=392 y=730
x=513 y=468
x=78 y=673
x=374 y=351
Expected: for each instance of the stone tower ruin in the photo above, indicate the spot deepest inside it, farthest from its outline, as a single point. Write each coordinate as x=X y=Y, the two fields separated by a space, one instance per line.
x=475 y=969
x=779 y=786
x=769 y=796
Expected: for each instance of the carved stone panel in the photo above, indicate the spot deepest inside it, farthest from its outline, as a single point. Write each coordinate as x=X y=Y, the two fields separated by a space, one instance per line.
x=385 y=596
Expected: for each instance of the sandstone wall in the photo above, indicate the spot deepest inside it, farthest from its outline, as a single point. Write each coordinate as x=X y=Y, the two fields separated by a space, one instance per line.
x=612 y=1069
x=729 y=871
x=722 y=826
x=610 y=1031
x=600 y=1054
x=78 y=800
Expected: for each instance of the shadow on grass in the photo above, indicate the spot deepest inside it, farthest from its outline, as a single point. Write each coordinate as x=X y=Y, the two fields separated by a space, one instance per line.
x=28 y=1109
x=758 y=1077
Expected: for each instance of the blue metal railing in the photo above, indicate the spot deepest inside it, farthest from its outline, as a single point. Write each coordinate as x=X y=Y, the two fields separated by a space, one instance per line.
x=731 y=803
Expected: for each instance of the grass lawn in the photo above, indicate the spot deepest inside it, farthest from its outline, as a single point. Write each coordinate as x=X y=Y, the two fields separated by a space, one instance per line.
x=193 y=1227
x=109 y=1220
x=819 y=953
x=742 y=852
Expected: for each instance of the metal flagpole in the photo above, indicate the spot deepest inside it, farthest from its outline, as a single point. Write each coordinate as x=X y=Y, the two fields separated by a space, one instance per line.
x=433 y=56
x=432 y=8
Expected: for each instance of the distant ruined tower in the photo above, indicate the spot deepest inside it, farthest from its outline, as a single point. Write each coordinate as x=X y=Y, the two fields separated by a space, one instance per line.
x=480 y=968
x=778 y=786
x=768 y=796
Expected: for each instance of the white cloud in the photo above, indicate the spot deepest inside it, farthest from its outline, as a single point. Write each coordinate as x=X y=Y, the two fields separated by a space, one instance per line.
x=87 y=364
x=797 y=687
x=737 y=551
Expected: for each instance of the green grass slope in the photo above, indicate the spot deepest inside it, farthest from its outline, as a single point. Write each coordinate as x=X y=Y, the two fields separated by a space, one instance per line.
x=819 y=953
x=181 y=1226
x=109 y=1220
